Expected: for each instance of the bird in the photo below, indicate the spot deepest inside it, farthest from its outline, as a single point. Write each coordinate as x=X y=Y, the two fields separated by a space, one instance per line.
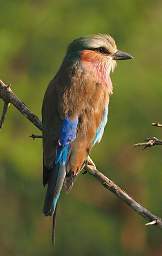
x=75 y=112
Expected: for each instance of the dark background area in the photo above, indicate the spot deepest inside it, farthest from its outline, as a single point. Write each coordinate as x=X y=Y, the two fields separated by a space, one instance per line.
x=91 y=221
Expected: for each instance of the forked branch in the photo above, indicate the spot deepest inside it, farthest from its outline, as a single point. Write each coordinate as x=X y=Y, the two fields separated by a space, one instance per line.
x=7 y=95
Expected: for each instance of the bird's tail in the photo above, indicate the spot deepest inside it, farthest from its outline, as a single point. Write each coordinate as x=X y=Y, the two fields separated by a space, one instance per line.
x=55 y=183
x=54 y=225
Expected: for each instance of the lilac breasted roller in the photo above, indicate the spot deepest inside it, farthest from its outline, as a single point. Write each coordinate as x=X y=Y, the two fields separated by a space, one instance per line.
x=75 y=111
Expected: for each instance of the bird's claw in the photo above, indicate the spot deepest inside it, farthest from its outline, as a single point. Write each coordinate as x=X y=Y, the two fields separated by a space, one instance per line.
x=90 y=162
x=84 y=172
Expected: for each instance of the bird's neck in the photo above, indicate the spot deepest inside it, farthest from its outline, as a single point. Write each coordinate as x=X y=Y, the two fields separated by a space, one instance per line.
x=98 y=67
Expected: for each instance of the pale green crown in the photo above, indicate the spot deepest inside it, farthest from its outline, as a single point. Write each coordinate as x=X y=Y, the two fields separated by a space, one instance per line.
x=93 y=42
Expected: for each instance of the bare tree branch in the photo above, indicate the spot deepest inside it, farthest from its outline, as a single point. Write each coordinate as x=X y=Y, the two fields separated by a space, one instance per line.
x=9 y=97
x=150 y=142
x=121 y=194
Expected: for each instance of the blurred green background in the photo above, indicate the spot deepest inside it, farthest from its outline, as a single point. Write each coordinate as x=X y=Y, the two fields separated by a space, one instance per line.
x=91 y=221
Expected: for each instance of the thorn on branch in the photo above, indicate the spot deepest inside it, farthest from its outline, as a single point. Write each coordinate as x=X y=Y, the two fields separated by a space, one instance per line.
x=154 y=222
x=35 y=136
x=150 y=142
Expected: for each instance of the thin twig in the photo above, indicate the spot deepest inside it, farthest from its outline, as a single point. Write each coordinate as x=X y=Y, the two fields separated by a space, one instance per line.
x=154 y=222
x=150 y=142
x=157 y=124
x=4 y=112
x=9 y=96
x=35 y=136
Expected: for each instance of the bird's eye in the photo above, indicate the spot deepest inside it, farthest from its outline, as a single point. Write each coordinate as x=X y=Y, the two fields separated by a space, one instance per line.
x=103 y=50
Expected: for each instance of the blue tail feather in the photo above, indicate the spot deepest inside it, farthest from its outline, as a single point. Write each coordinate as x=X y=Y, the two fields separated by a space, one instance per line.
x=56 y=175
x=55 y=184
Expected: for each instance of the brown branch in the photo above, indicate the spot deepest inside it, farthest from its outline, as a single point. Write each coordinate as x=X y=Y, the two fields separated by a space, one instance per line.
x=9 y=96
x=121 y=194
x=150 y=142
x=4 y=112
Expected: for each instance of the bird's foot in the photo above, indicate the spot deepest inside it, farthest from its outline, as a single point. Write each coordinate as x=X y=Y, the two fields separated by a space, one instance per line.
x=84 y=172
x=88 y=162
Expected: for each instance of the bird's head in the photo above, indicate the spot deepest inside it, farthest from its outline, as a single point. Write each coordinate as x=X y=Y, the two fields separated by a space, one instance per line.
x=100 y=48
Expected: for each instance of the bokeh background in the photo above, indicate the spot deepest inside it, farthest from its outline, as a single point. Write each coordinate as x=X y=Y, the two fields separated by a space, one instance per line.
x=91 y=221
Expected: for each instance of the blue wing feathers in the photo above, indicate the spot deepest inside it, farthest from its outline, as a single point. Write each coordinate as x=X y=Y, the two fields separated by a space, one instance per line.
x=68 y=133
x=68 y=130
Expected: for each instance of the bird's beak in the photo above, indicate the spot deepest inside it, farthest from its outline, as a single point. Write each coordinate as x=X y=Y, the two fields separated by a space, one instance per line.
x=119 y=55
